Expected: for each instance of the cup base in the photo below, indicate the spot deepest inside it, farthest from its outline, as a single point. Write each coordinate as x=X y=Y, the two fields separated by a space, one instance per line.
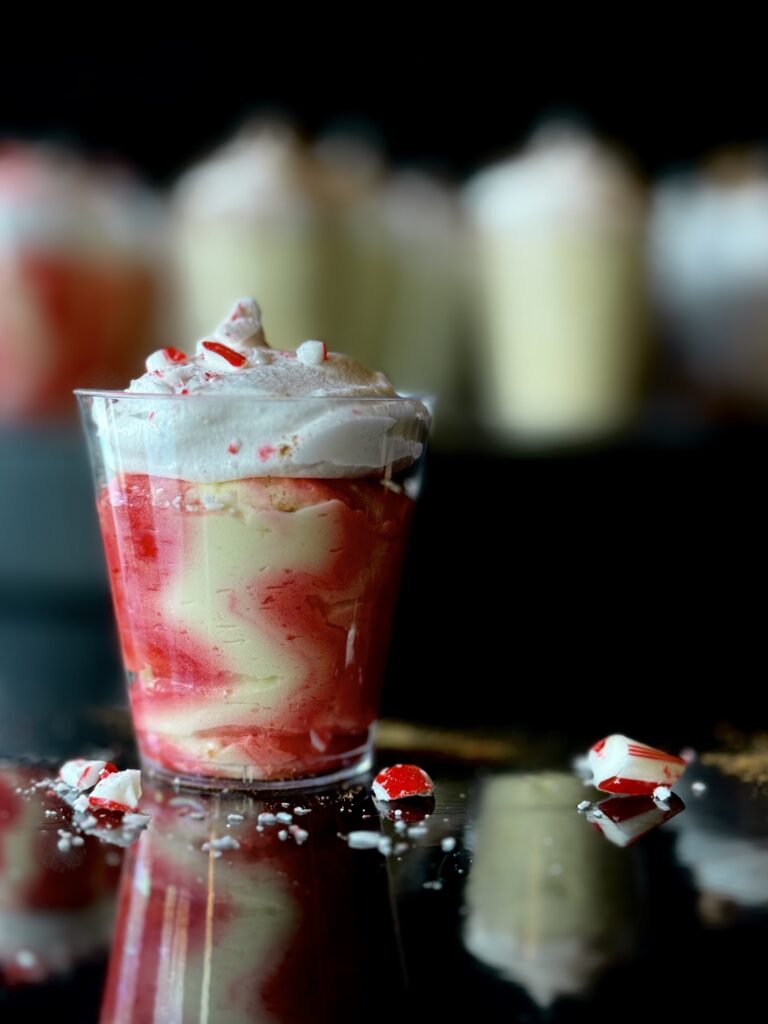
x=181 y=780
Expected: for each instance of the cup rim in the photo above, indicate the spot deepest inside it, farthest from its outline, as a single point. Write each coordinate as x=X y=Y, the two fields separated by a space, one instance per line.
x=423 y=399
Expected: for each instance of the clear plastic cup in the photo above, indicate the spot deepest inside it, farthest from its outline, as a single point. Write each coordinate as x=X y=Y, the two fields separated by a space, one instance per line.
x=255 y=613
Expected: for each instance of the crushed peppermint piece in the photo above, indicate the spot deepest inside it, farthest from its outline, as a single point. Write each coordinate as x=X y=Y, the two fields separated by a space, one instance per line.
x=625 y=766
x=284 y=816
x=447 y=844
x=299 y=834
x=163 y=359
x=234 y=818
x=119 y=791
x=221 y=357
x=282 y=835
x=265 y=818
x=583 y=805
x=83 y=774
x=221 y=843
x=401 y=782
x=312 y=353
x=301 y=810
x=699 y=787
x=363 y=840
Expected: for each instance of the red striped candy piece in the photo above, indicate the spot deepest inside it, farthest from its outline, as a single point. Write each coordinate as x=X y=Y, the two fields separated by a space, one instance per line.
x=622 y=765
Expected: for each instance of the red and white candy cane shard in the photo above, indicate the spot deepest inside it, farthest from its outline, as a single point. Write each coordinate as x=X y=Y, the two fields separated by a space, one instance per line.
x=81 y=774
x=402 y=781
x=243 y=325
x=164 y=358
x=118 y=791
x=622 y=765
x=624 y=819
x=221 y=357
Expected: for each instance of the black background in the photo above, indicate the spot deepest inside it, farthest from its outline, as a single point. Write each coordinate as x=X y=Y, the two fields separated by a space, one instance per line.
x=450 y=89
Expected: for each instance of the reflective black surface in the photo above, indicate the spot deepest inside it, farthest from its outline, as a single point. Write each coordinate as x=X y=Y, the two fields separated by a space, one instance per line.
x=500 y=901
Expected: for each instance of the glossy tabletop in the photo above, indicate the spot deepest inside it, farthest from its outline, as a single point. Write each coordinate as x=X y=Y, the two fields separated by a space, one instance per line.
x=498 y=900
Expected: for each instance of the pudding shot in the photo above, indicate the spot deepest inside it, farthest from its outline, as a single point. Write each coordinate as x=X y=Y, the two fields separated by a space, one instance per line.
x=255 y=505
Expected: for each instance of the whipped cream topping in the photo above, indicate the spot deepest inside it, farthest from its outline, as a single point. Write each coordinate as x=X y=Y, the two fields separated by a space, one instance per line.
x=239 y=408
x=264 y=173
x=563 y=175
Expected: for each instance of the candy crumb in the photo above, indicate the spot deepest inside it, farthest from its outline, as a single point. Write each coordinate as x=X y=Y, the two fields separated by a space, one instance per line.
x=699 y=787
x=362 y=840
x=447 y=844
x=583 y=806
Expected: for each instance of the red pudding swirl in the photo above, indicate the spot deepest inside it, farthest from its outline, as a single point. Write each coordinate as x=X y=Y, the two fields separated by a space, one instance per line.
x=254 y=618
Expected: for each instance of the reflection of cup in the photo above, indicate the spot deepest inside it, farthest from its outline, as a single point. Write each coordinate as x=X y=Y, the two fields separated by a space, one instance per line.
x=255 y=613
x=56 y=907
x=560 y=263
x=547 y=898
x=275 y=922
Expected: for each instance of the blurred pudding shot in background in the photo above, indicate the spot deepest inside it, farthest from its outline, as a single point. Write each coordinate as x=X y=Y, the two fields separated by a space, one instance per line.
x=255 y=505
x=560 y=239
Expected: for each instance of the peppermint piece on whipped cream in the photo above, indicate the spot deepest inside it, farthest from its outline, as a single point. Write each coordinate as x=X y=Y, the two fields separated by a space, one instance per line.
x=238 y=408
x=312 y=353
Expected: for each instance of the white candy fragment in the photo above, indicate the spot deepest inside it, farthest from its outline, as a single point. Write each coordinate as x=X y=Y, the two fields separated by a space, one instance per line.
x=363 y=840
x=622 y=765
x=699 y=787
x=583 y=806
x=447 y=844
x=312 y=353
x=220 y=357
x=81 y=774
x=120 y=791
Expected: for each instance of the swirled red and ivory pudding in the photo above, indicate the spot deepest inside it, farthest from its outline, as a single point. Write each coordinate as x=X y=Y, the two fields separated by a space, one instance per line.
x=255 y=513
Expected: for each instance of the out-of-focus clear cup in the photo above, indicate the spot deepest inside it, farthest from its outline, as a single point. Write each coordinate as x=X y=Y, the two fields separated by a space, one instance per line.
x=254 y=614
x=560 y=280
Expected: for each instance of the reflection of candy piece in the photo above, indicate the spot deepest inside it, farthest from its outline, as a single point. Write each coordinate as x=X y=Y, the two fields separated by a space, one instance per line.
x=221 y=357
x=312 y=353
x=160 y=360
x=402 y=781
x=81 y=774
x=624 y=819
x=119 y=791
x=621 y=765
